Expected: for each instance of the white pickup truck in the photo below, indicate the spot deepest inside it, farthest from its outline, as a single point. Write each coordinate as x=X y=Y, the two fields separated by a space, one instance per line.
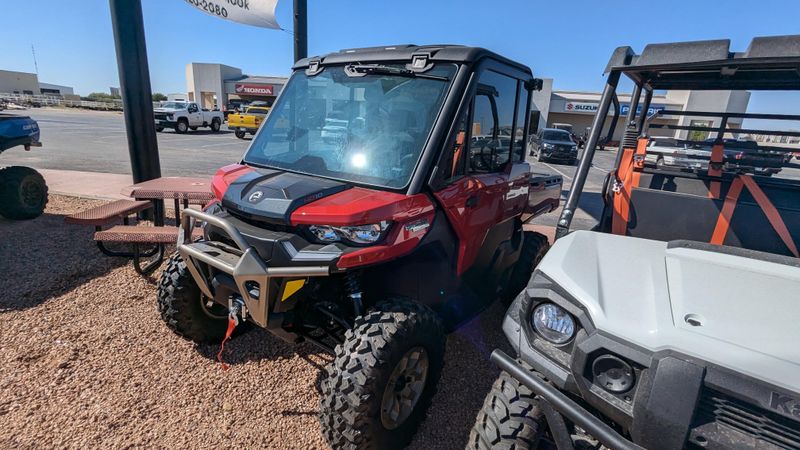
x=183 y=116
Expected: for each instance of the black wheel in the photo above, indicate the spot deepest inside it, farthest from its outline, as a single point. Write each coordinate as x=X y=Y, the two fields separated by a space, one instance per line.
x=159 y=129
x=182 y=126
x=534 y=246
x=240 y=134
x=193 y=128
x=573 y=162
x=381 y=382
x=23 y=193
x=660 y=162
x=215 y=125
x=509 y=418
x=185 y=309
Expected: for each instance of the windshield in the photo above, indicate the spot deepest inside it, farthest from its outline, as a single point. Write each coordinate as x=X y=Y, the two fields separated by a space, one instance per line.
x=367 y=129
x=174 y=105
x=556 y=135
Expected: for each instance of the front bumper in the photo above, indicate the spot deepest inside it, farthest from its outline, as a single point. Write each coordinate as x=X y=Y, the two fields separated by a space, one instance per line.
x=552 y=400
x=241 y=261
x=166 y=123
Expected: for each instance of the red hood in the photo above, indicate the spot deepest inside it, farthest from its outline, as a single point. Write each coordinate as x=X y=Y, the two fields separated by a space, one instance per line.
x=360 y=206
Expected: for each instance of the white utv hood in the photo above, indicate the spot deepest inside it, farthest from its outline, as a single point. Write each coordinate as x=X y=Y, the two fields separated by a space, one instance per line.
x=737 y=312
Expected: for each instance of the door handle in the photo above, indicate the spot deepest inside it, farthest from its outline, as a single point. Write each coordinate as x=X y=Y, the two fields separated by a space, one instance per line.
x=471 y=202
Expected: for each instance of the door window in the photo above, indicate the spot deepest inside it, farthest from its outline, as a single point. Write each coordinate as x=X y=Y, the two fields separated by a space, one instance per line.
x=492 y=122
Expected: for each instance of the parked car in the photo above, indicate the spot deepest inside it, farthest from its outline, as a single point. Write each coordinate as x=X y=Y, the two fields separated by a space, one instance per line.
x=185 y=116
x=553 y=144
x=738 y=155
x=673 y=323
x=23 y=191
x=372 y=245
x=247 y=122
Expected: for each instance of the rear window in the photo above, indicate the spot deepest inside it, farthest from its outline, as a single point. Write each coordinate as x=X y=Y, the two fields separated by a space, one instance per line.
x=556 y=135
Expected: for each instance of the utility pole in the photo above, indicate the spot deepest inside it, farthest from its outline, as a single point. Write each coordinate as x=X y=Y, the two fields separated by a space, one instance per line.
x=300 y=29
x=35 y=64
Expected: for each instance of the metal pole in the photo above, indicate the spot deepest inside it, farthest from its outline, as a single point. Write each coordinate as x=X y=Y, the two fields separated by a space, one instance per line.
x=134 y=86
x=300 y=29
x=562 y=228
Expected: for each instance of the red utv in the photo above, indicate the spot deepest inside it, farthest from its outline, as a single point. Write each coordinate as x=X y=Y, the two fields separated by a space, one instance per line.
x=378 y=207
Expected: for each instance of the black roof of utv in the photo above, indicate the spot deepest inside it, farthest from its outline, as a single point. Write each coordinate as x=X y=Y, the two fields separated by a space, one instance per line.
x=406 y=52
x=769 y=63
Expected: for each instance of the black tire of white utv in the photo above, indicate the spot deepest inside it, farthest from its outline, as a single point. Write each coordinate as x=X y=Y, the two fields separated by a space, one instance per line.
x=534 y=247
x=180 y=305
x=216 y=124
x=182 y=126
x=23 y=193
x=509 y=418
x=352 y=392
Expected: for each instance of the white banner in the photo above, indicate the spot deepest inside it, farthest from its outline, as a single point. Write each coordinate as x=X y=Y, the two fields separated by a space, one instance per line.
x=258 y=13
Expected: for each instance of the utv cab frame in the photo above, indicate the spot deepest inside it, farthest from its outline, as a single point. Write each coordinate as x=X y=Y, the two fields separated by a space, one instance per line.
x=656 y=342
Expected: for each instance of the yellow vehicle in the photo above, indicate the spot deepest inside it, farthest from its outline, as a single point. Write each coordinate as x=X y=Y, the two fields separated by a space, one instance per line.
x=247 y=122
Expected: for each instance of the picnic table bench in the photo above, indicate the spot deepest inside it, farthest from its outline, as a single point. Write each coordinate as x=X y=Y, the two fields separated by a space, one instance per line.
x=154 y=239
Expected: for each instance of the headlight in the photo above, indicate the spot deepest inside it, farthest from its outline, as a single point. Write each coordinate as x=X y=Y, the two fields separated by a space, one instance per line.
x=170 y=116
x=357 y=234
x=553 y=323
x=547 y=146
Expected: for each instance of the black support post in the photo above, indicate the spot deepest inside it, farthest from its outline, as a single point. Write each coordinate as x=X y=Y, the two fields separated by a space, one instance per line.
x=562 y=228
x=300 y=29
x=134 y=85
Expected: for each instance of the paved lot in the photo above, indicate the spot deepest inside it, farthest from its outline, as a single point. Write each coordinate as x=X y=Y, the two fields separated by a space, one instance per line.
x=96 y=142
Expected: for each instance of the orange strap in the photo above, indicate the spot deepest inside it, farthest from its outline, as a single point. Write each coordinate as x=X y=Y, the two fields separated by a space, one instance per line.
x=630 y=179
x=717 y=157
x=724 y=219
x=715 y=169
x=459 y=147
x=232 y=322
x=774 y=217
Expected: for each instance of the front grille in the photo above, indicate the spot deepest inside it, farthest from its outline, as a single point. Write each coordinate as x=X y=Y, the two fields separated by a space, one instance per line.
x=754 y=421
x=161 y=116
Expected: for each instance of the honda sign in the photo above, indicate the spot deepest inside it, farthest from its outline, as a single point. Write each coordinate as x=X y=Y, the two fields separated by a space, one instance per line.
x=254 y=89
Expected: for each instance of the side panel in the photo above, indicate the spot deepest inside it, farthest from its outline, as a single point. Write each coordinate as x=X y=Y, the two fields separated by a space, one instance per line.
x=474 y=205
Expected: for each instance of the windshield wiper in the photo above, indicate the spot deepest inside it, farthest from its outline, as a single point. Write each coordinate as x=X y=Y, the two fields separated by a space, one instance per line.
x=355 y=70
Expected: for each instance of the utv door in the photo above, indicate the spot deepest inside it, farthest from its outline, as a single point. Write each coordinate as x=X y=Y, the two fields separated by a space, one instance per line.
x=483 y=200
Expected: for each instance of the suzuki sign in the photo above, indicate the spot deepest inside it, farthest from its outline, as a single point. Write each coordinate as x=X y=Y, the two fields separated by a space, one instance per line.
x=589 y=108
x=253 y=89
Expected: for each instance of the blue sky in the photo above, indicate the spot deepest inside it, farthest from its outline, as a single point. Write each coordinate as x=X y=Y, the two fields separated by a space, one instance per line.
x=569 y=40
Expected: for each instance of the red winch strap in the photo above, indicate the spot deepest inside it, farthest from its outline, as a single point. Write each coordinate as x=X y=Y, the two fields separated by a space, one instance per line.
x=774 y=217
x=231 y=325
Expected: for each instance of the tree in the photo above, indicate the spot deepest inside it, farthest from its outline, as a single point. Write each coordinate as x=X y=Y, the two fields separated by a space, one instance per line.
x=102 y=97
x=159 y=97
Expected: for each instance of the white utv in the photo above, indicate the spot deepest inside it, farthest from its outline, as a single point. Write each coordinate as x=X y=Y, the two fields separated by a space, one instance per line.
x=674 y=322
x=185 y=116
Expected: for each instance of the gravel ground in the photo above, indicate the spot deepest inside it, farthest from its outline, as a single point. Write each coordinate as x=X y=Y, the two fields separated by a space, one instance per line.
x=86 y=362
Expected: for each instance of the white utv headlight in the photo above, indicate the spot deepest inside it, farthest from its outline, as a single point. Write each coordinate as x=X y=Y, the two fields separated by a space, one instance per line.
x=357 y=234
x=553 y=323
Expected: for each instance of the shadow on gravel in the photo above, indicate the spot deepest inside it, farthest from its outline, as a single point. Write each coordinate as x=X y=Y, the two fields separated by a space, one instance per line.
x=44 y=258
x=467 y=377
x=257 y=344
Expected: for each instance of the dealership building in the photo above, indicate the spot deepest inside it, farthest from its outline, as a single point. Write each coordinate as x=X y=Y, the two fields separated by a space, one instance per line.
x=25 y=83
x=217 y=85
x=575 y=110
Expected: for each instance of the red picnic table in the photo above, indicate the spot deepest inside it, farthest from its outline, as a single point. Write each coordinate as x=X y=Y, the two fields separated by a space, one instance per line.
x=186 y=190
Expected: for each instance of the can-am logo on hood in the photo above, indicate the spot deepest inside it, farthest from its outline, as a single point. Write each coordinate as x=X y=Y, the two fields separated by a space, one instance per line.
x=253 y=89
x=255 y=196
